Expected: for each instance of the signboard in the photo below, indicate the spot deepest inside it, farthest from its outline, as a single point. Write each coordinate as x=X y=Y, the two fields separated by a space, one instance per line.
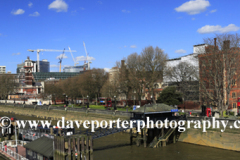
x=134 y=107
x=102 y=101
x=174 y=110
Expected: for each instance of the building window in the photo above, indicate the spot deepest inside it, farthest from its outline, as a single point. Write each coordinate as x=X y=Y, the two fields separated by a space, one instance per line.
x=29 y=153
x=233 y=82
x=233 y=95
x=39 y=157
x=234 y=105
x=210 y=62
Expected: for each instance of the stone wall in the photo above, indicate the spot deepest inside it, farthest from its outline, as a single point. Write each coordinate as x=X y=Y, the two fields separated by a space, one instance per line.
x=216 y=139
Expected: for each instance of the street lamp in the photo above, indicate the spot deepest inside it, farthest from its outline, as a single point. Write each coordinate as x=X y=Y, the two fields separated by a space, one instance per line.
x=151 y=99
x=50 y=97
x=115 y=108
x=24 y=99
x=87 y=102
x=67 y=100
x=64 y=95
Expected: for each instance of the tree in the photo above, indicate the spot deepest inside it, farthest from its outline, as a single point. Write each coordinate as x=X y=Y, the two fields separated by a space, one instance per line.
x=111 y=86
x=153 y=61
x=170 y=96
x=219 y=70
x=136 y=77
x=7 y=85
x=185 y=76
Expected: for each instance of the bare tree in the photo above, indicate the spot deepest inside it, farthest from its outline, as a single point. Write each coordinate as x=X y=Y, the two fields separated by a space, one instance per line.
x=219 y=69
x=154 y=61
x=185 y=76
x=137 y=81
x=7 y=85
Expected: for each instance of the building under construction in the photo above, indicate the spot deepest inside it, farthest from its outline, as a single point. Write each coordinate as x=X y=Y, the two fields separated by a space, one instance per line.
x=76 y=68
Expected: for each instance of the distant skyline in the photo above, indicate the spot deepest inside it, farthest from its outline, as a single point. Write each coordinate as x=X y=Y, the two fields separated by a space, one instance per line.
x=111 y=29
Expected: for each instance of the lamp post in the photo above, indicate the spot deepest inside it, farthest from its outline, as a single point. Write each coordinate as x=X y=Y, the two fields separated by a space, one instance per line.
x=50 y=97
x=64 y=95
x=67 y=100
x=24 y=99
x=151 y=99
x=115 y=108
x=87 y=101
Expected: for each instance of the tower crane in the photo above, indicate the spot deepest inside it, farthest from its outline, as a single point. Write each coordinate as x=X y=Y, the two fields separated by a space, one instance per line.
x=75 y=62
x=60 y=59
x=44 y=50
x=87 y=56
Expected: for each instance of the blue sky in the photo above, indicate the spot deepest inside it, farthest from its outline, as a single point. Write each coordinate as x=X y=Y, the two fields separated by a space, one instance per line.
x=111 y=29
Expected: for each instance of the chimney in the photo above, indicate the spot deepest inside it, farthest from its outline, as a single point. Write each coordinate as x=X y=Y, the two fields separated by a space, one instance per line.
x=215 y=42
x=122 y=63
x=226 y=45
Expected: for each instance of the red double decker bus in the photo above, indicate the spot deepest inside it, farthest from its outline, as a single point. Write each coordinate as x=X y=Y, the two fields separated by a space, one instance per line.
x=105 y=101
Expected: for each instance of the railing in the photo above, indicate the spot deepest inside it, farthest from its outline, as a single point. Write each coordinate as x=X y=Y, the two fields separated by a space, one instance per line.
x=46 y=107
x=32 y=135
x=12 y=143
x=11 y=153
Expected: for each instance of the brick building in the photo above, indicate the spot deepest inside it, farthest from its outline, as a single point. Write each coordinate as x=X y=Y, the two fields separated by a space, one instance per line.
x=219 y=75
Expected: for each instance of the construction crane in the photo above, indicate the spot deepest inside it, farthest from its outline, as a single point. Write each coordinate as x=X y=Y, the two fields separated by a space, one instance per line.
x=44 y=50
x=87 y=56
x=75 y=62
x=60 y=59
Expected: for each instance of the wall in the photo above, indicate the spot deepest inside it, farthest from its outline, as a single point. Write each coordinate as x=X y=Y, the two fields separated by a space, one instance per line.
x=223 y=140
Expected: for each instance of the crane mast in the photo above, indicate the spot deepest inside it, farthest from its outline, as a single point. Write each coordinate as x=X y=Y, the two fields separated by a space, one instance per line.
x=86 y=55
x=60 y=60
x=44 y=50
x=75 y=62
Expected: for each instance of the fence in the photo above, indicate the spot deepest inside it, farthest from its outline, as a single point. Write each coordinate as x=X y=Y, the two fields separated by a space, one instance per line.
x=10 y=152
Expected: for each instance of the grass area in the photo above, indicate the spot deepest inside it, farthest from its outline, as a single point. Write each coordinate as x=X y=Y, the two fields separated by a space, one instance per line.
x=100 y=107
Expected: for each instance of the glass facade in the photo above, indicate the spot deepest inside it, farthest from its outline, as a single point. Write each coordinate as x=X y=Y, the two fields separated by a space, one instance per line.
x=19 y=66
x=56 y=75
x=44 y=66
x=75 y=68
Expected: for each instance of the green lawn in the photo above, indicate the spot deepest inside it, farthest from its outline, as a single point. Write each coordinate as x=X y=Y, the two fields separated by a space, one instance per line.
x=100 y=107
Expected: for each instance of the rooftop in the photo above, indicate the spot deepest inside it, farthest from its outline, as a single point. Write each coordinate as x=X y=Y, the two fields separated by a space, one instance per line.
x=155 y=108
x=43 y=145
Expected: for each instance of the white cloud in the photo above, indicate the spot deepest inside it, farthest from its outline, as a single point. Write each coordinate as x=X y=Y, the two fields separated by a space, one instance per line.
x=218 y=28
x=17 y=12
x=0 y=34
x=133 y=46
x=106 y=69
x=193 y=6
x=125 y=11
x=35 y=14
x=59 y=6
x=180 y=51
x=15 y=54
x=61 y=56
x=81 y=8
x=125 y=46
x=212 y=11
x=82 y=58
x=193 y=19
x=54 y=66
x=100 y=2
x=30 y=4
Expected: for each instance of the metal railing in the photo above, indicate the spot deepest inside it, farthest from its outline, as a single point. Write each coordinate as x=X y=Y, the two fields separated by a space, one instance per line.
x=10 y=152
